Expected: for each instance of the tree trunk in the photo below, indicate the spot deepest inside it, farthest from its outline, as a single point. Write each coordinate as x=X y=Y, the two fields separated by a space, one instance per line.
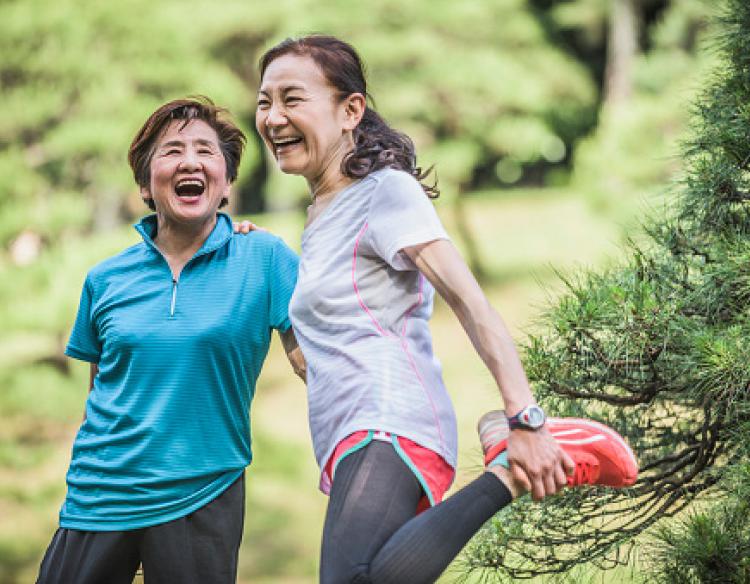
x=239 y=50
x=473 y=257
x=622 y=46
x=251 y=194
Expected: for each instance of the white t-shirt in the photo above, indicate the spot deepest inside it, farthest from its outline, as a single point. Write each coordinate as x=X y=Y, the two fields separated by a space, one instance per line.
x=360 y=312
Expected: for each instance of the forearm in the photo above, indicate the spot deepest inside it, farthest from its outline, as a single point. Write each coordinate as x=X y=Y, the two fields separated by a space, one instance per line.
x=494 y=345
x=443 y=266
x=297 y=360
x=294 y=354
x=537 y=461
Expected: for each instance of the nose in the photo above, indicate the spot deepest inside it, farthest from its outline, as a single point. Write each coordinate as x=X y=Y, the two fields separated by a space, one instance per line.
x=275 y=116
x=190 y=160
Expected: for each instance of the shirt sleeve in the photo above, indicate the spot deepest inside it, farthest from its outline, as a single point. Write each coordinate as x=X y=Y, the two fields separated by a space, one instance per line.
x=401 y=215
x=283 y=280
x=84 y=343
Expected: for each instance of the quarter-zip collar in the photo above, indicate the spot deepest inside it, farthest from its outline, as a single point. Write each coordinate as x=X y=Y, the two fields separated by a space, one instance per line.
x=219 y=236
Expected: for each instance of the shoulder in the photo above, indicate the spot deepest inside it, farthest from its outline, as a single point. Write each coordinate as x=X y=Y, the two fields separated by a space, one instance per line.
x=391 y=178
x=261 y=243
x=397 y=189
x=257 y=240
x=128 y=259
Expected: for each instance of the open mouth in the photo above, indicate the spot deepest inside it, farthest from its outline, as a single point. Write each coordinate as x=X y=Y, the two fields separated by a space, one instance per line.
x=281 y=144
x=190 y=187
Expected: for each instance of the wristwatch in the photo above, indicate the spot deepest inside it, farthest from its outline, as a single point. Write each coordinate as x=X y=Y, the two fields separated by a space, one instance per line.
x=530 y=418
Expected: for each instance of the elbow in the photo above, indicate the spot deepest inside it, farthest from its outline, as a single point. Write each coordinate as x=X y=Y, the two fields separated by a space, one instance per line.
x=298 y=363
x=301 y=372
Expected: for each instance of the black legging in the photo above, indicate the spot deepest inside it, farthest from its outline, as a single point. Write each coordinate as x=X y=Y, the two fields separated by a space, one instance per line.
x=371 y=533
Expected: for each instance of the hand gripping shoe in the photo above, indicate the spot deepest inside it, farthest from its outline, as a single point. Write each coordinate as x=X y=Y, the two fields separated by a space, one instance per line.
x=601 y=455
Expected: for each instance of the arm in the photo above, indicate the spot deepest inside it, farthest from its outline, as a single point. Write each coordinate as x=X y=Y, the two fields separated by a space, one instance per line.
x=536 y=460
x=294 y=353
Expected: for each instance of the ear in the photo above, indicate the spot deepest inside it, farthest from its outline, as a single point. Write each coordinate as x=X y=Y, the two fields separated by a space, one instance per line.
x=146 y=195
x=354 y=109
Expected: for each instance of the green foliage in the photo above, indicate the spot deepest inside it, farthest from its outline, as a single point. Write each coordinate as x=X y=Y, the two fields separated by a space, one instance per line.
x=78 y=78
x=477 y=84
x=657 y=348
x=473 y=82
x=706 y=547
x=632 y=148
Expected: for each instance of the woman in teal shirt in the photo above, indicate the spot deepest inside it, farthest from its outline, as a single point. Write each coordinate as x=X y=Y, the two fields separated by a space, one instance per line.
x=176 y=329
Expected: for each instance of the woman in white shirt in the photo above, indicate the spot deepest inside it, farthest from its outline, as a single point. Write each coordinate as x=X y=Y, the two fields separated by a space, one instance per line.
x=373 y=252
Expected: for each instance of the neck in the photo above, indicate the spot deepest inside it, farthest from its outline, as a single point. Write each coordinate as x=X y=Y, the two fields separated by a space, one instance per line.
x=180 y=241
x=332 y=180
x=327 y=187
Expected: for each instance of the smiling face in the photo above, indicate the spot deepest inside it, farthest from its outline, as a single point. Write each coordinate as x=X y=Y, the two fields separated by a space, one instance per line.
x=188 y=174
x=303 y=120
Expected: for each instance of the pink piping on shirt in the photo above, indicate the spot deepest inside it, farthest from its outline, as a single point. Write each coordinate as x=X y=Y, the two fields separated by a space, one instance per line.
x=413 y=364
x=402 y=338
x=356 y=289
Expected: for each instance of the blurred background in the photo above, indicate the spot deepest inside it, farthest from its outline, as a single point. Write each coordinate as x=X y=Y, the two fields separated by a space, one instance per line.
x=553 y=126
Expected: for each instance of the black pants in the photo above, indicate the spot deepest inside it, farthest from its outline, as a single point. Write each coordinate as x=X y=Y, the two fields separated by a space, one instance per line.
x=198 y=548
x=371 y=533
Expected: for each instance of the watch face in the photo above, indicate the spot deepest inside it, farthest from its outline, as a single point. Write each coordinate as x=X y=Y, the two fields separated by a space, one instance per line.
x=534 y=416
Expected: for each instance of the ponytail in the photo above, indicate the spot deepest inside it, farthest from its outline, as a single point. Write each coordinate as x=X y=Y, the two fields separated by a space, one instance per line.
x=377 y=145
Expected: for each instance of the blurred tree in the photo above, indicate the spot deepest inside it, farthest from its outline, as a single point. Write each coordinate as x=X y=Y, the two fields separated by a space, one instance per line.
x=602 y=33
x=661 y=69
x=477 y=84
x=658 y=349
x=622 y=46
x=239 y=49
x=77 y=79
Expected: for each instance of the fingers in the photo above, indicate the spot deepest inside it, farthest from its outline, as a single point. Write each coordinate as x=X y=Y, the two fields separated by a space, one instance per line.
x=542 y=484
x=254 y=227
x=541 y=480
x=550 y=482
x=532 y=480
x=520 y=477
x=243 y=227
x=538 y=464
x=568 y=464
x=561 y=478
x=246 y=227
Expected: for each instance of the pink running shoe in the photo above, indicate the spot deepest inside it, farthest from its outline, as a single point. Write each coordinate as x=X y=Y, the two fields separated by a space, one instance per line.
x=601 y=455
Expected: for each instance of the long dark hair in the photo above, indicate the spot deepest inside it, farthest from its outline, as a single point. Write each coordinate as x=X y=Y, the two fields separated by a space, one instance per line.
x=376 y=144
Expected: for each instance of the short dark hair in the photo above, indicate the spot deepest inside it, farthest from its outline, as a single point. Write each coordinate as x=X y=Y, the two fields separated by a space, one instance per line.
x=231 y=138
x=376 y=144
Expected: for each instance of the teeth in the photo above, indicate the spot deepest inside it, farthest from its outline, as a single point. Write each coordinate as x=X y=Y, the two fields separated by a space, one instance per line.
x=190 y=187
x=284 y=141
x=190 y=182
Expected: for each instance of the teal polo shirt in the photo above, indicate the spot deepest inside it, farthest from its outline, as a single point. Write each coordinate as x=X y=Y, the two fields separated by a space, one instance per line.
x=167 y=425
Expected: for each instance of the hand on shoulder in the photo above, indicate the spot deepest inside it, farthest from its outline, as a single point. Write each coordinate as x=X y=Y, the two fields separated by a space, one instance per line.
x=246 y=227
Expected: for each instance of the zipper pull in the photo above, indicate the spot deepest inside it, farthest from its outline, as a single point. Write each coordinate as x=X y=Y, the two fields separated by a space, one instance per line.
x=174 y=297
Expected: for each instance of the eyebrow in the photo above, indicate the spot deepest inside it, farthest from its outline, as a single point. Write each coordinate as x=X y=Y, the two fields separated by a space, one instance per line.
x=286 y=89
x=200 y=142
